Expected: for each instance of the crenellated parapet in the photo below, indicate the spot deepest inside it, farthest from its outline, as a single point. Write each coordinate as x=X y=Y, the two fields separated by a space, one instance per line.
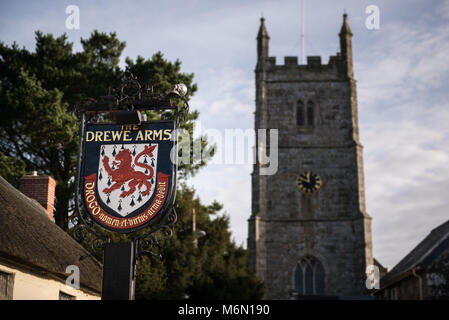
x=314 y=70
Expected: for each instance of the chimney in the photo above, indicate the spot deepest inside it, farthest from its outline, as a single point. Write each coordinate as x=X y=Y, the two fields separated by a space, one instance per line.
x=41 y=189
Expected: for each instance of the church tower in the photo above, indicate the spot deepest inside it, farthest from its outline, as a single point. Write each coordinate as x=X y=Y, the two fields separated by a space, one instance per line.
x=309 y=233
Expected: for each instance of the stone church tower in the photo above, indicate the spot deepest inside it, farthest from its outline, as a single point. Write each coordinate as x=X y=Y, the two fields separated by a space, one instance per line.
x=309 y=233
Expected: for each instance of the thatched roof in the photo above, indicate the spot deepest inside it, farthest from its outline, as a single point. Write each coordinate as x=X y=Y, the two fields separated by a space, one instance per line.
x=29 y=238
x=422 y=255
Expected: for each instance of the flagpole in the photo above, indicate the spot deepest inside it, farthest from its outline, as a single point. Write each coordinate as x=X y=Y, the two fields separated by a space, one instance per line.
x=302 y=33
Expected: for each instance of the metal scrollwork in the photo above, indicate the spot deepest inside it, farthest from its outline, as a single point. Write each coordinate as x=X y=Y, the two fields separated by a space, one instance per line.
x=83 y=234
x=131 y=95
x=150 y=241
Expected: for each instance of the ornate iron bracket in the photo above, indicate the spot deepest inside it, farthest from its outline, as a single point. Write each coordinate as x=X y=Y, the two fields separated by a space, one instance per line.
x=132 y=96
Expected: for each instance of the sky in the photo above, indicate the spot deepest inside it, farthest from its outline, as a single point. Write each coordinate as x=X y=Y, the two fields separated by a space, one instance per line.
x=402 y=73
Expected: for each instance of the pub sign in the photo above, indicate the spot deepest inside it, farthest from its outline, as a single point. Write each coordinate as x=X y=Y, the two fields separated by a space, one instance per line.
x=127 y=173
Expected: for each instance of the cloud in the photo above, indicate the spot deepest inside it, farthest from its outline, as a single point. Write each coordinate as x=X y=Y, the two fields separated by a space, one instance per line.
x=444 y=9
x=404 y=112
x=226 y=94
x=402 y=72
x=230 y=185
x=405 y=60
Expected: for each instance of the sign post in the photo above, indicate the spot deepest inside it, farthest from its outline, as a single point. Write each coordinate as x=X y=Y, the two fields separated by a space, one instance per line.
x=118 y=271
x=126 y=178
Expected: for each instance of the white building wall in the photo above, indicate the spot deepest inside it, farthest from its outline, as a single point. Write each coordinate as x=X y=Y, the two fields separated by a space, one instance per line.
x=28 y=286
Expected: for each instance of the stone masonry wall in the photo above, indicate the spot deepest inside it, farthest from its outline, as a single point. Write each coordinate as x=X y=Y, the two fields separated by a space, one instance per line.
x=330 y=224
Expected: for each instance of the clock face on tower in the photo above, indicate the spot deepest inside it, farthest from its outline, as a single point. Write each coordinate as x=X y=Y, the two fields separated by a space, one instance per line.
x=308 y=182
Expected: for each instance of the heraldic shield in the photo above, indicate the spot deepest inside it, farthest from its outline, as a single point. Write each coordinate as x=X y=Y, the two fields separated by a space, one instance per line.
x=127 y=173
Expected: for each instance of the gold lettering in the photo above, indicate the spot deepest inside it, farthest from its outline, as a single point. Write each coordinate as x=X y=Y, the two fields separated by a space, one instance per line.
x=89 y=136
x=150 y=211
x=139 y=136
x=157 y=135
x=98 y=135
x=148 y=134
x=91 y=184
x=126 y=136
x=167 y=134
x=116 y=135
x=106 y=135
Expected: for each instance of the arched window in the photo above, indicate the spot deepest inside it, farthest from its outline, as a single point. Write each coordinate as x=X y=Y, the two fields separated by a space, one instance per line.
x=305 y=115
x=310 y=113
x=309 y=277
x=300 y=121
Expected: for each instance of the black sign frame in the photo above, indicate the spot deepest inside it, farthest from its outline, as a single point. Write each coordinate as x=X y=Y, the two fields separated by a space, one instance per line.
x=163 y=175
x=88 y=112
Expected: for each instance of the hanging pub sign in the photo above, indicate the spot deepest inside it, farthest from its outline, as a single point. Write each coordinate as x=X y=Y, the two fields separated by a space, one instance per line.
x=126 y=169
x=127 y=174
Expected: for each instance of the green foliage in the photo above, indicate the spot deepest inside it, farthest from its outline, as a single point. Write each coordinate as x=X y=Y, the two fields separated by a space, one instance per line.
x=11 y=169
x=215 y=268
x=194 y=266
x=38 y=90
x=37 y=132
x=161 y=75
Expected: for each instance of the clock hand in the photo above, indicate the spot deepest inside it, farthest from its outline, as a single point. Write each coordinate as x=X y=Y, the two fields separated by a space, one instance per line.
x=303 y=180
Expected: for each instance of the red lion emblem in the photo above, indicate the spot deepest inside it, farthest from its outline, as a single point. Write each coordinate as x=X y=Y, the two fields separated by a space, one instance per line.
x=125 y=172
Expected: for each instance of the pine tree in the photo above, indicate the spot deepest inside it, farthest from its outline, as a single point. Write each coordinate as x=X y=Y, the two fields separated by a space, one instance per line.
x=39 y=89
x=37 y=132
x=215 y=268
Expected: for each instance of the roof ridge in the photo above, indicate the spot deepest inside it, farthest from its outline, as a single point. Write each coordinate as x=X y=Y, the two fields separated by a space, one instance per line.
x=441 y=240
x=417 y=255
x=27 y=234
